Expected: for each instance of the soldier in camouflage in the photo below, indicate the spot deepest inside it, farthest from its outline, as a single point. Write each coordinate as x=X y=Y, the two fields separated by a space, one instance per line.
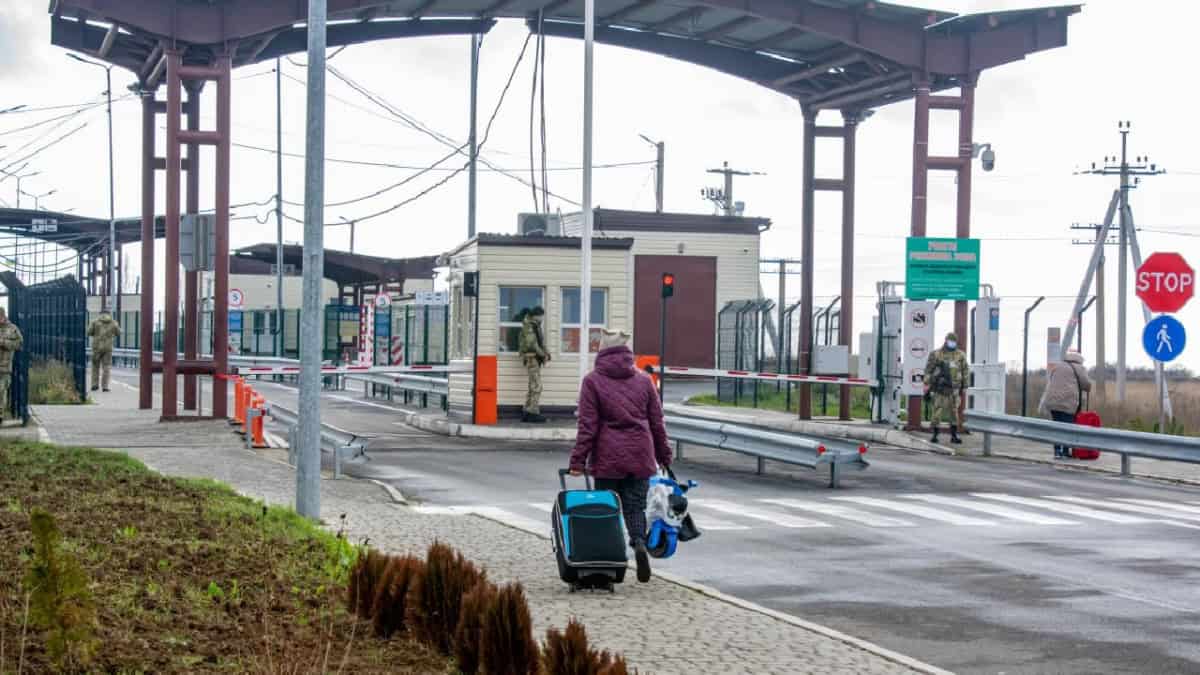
x=10 y=344
x=946 y=377
x=104 y=332
x=532 y=348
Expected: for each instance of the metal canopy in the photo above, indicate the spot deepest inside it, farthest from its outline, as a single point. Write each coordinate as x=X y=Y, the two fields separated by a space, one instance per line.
x=73 y=231
x=344 y=268
x=828 y=54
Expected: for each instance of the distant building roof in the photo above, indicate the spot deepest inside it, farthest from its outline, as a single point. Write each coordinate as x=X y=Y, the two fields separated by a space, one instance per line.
x=342 y=267
x=610 y=220
x=491 y=239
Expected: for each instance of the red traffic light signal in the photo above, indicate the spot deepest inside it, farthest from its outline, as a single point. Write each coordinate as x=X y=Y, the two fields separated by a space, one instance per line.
x=668 y=284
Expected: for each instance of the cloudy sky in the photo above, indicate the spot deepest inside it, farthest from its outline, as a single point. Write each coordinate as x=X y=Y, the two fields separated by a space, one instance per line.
x=1045 y=116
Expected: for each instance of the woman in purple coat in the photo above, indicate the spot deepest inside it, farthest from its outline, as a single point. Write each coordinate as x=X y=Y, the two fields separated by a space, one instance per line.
x=621 y=438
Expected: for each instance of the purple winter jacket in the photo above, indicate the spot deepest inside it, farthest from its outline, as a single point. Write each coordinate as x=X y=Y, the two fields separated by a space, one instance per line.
x=621 y=431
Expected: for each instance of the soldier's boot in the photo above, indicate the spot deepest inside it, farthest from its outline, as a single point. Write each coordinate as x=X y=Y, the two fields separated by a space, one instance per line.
x=954 y=434
x=934 y=438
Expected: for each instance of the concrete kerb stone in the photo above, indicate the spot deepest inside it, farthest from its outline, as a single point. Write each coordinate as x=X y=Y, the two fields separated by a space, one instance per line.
x=437 y=424
x=708 y=591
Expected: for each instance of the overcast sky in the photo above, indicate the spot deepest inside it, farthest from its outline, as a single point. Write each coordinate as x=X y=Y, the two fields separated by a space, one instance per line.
x=1045 y=116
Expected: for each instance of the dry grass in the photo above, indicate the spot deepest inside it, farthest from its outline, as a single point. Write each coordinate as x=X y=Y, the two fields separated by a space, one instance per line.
x=1140 y=410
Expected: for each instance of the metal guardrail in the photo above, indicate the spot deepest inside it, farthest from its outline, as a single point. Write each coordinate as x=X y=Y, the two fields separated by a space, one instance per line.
x=335 y=440
x=425 y=384
x=132 y=356
x=1127 y=444
x=787 y=448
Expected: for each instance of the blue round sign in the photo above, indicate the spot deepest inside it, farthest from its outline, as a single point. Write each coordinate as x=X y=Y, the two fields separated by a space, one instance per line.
x=1164 y=338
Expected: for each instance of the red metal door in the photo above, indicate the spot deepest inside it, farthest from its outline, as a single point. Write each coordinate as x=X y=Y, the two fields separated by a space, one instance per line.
x=691 y=313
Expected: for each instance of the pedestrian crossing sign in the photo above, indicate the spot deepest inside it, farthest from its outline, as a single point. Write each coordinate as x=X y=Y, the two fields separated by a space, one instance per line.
x=1164 y=338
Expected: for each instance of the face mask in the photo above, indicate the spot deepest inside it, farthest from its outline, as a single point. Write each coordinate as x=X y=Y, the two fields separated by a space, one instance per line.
x=951 y=345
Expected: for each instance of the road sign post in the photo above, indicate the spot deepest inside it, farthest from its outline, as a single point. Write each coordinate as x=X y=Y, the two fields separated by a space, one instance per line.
x=1165 y=283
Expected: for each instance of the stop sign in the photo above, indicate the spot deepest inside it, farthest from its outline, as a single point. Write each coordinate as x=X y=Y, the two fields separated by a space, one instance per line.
x=1165 y=282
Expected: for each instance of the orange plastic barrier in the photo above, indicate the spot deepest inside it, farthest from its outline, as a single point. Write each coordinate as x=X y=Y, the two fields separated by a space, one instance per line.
x=244 y=405
x=642 y=361
x=256 y=428
x=485 y=389
x=239 y=392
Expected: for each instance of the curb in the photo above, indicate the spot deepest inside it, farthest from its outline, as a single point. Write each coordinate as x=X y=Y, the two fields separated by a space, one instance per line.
x=396 y=495
x=881 y=652
x=444 y=427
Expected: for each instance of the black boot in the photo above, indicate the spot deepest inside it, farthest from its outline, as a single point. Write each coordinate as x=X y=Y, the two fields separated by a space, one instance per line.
x=954 y=434
x=642 y=557
x=934 y=438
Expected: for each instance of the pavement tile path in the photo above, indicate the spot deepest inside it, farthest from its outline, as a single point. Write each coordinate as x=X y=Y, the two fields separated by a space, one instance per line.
x=661 y=627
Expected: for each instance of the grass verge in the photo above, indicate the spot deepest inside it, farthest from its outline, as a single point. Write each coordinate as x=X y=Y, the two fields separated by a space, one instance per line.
x=52 y=383
x=187 y=576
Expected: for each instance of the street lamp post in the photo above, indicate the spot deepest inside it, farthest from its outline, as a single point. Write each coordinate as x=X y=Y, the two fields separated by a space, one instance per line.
x=19 y=179
x=1025 y=356
x=346 y=221
x=37 y=198
x=112 y=218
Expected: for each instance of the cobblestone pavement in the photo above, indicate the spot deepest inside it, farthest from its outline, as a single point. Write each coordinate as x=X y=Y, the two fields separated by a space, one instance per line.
x=661 y=627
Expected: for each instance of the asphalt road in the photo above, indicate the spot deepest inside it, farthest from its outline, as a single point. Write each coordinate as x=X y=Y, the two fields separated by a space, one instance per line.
x=977 y=566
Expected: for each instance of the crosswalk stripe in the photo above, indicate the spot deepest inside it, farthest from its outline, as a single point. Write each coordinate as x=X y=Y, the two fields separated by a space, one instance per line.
x=844 y=512
x=1135 y=508
x=773 y=517
x=994 y=509
x=1072 y=509
x=917 y=510
x=1164 y=505
x=542 y=506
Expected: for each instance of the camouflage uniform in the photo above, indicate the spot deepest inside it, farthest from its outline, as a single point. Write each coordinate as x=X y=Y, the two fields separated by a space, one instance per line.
x=946 y=376
x=104 y=332
x=10 y=344
x=533 y=353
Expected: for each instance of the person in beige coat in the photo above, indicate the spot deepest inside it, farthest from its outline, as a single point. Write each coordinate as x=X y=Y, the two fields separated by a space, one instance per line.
x=1063 y=398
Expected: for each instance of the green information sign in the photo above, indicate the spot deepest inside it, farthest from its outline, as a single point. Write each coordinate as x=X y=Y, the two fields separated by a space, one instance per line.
x=941 y=269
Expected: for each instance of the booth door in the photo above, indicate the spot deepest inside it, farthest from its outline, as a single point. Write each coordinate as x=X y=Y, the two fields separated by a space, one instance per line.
x=691 y=313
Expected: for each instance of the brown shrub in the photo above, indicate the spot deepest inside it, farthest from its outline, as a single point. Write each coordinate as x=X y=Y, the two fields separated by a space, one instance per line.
x=364 y=581
x=506 y=643
x=470 y=626
x=391 y=603
x=568 y=653
x=437 y=596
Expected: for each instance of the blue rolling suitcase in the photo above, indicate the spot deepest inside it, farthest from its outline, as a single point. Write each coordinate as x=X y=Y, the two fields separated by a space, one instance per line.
x=589 y=536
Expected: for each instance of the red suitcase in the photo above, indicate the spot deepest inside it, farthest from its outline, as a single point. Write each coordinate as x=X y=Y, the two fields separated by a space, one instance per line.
x=1092 y=419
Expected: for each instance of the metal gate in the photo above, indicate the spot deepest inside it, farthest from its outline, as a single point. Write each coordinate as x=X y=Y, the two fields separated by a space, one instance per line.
x=52 y=317
x=741 y=344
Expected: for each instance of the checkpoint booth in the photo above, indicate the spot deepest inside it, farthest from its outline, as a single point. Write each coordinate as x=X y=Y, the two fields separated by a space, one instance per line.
x=518 y=272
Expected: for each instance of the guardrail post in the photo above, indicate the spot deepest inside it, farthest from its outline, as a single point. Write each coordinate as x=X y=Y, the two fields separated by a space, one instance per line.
x=762 y=466
x=678 y=449
x=833 y=475
x=337 y=461
x=1126 y=468
x=987 y=444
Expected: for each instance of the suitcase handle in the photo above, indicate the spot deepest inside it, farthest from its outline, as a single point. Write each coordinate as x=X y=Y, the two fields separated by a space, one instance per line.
x=562 y=478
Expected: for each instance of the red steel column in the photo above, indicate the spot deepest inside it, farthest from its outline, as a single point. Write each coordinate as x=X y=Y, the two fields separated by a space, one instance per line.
x=170 y=350
x=920 y=179
x=146 y=320
x=846 y=322
x=220 y=320
x=966 y=121
x=191 y=294
x=807 y=225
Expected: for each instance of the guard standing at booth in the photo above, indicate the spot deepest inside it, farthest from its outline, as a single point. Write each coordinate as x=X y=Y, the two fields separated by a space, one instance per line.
x=946 y=377
x=532 y=348
x=103 y=331
x=10 y=343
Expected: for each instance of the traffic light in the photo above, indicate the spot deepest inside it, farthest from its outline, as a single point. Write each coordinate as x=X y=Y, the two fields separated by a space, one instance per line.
x=668 y=284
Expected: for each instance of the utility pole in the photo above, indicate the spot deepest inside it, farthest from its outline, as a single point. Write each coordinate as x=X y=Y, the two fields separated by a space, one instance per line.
x=109 y=282
x=781 y=265
x=723 y=198
x=1100 y=390
x=278 y=207
x=1125 y=170
x=659 y=165
x=473 y=142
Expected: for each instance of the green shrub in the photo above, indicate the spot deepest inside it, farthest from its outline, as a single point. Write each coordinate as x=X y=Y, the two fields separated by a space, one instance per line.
x=470 y=626
x=60 y=601
x=506 y=643
x=52 y=382
x=438 y=595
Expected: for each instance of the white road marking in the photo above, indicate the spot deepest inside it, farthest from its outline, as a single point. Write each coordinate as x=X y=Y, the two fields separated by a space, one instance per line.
x=993 y=509
x=1173 y=506
x=844 y=512
x=542 y=506
x=1135 y=508
x=918 y=510
x=1072 y=509
x=773 y=517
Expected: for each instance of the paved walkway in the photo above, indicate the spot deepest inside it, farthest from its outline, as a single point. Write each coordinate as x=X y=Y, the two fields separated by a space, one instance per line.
x=879 y=434
x=661 y=627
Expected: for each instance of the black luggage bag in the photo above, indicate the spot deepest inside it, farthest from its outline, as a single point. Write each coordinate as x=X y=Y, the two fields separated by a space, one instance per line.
x=589 y=536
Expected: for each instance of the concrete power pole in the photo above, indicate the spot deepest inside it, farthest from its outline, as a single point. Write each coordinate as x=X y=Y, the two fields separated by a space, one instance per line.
x=1099 y=392
x=659 y=165
x=723 y=198
x=1126 y=171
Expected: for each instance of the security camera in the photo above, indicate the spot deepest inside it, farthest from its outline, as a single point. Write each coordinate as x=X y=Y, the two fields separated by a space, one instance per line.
x=988 y=159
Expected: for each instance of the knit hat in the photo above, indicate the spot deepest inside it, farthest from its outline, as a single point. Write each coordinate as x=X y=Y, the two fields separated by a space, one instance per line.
x=951 y=336
x=613 y=338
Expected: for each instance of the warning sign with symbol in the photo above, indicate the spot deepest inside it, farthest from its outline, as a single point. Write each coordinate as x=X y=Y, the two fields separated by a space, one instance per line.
x=919 y=348
x=917 y=336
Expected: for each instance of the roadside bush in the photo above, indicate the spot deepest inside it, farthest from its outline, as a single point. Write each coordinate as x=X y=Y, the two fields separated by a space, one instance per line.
x=364 y=583
x=393 y=596
x=60 y=601
x=52 y=383
x=506 y=643
x=437 y=596
x=470 y=626
x=568 y=653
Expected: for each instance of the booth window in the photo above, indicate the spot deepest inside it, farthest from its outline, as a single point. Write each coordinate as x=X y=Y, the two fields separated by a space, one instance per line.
x=513 y=300
x=570 y=319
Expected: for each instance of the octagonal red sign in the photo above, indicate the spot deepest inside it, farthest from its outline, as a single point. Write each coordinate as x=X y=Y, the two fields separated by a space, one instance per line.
x=1165 y=282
